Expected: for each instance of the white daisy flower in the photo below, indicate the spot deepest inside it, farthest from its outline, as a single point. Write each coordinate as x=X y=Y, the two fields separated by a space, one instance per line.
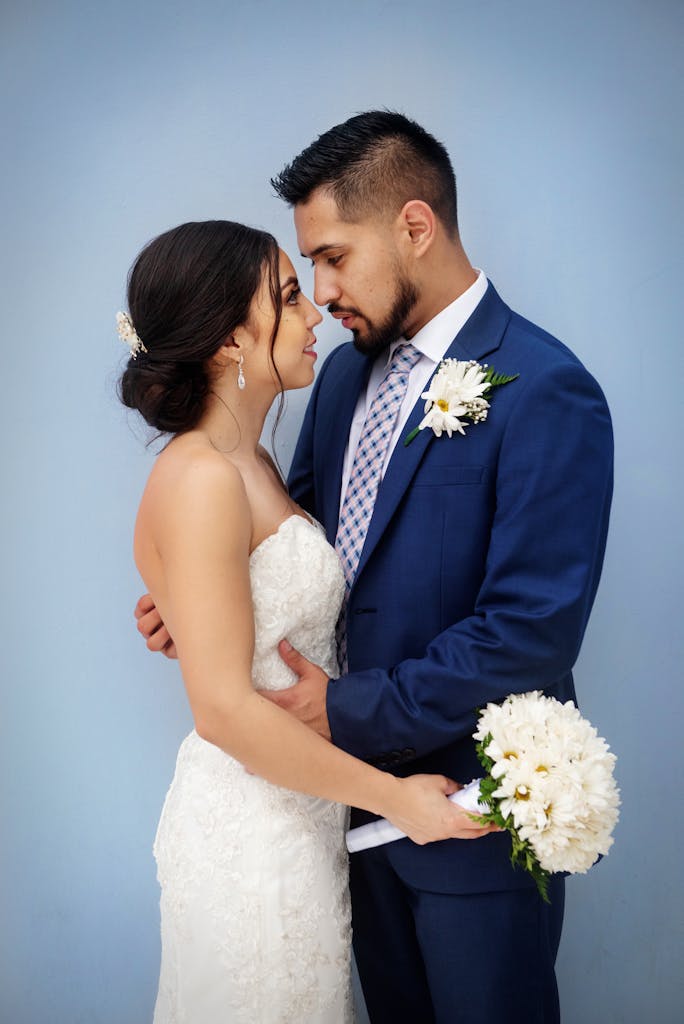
x=551 y=776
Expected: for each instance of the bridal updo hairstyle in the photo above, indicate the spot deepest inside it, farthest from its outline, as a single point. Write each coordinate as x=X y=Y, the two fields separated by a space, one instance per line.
x=188 y=290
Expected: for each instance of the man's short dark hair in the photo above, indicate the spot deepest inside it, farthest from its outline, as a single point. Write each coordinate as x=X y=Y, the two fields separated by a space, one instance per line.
x=374 y=163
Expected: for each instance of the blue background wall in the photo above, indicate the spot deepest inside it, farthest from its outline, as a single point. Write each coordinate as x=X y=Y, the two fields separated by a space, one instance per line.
x=120 y=120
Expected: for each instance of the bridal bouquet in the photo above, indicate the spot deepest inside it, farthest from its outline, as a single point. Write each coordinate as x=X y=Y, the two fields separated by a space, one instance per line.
x=549 y=783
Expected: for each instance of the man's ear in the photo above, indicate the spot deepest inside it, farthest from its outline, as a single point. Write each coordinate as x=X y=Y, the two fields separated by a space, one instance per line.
x=417 y=224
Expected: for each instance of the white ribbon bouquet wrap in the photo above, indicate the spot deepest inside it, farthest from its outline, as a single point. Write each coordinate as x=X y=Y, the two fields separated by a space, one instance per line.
x=549 y=783
x=377 y=833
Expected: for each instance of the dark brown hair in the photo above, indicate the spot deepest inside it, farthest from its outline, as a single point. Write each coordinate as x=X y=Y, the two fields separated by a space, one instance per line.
x=374 y=163
x=187 y=292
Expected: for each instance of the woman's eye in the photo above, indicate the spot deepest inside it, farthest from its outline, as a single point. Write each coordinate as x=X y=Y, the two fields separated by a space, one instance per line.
x=293 y=297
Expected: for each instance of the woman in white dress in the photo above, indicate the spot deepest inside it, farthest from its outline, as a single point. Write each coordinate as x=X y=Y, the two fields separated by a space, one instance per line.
x=250 y=846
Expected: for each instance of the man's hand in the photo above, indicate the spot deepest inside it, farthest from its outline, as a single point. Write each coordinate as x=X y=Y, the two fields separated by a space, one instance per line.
x=306 y=699
x=152 y=628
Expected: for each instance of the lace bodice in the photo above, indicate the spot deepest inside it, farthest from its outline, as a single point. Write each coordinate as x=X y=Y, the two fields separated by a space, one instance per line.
x=297 y=591
x=255 y=906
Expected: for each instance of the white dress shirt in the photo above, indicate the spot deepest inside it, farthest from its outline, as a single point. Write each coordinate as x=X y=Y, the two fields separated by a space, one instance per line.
x=432 y=341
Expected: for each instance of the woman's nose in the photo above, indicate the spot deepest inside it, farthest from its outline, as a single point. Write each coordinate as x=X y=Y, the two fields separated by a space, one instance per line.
x=313 y=315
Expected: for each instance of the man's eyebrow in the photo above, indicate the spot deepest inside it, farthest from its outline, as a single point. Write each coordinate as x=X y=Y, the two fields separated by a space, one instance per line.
x=290 y=280
x=319 y=249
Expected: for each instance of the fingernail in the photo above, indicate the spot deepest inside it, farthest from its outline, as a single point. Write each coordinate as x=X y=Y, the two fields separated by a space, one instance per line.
x=287 y=646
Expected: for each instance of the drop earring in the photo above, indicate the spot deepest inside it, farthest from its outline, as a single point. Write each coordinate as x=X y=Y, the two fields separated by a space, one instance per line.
x=241 y=377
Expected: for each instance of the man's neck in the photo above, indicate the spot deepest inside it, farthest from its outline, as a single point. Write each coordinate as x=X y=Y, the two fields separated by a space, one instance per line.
x=446 y=277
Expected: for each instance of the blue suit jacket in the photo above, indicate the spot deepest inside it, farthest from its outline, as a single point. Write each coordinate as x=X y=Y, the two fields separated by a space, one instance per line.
x=479 y=568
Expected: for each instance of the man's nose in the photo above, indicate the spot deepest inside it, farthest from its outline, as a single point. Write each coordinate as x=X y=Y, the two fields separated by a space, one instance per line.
x=325 y=288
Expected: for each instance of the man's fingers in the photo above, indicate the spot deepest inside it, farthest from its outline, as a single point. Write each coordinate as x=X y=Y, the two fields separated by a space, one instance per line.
x=159 y=640
x=149 y=623
x=144 y=605
x=280 y=697
x=292 y=657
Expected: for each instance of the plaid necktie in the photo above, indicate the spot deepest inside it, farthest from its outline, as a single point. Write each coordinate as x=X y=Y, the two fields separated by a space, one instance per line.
x=364 y=480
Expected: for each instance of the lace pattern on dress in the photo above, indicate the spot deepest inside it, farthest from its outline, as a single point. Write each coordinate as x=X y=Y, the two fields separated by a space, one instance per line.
x=255 y=906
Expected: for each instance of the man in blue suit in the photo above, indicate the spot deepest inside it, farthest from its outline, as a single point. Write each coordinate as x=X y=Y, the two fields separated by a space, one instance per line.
x=474 y=559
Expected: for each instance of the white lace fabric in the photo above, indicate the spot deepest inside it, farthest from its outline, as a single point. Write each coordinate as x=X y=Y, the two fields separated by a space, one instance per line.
x=255 y=915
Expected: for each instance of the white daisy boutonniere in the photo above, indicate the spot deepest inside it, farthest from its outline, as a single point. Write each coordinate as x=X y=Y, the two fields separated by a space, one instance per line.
x=459 y=390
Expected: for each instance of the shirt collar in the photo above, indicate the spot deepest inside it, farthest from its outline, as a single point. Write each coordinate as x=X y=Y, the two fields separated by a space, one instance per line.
x=436 y=336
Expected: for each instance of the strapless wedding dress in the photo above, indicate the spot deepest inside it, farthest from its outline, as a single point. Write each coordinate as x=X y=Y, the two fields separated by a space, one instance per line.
x=255 y=916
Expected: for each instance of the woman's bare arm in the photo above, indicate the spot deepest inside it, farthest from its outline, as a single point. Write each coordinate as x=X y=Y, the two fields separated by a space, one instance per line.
x=150 y=624
x=202 y=529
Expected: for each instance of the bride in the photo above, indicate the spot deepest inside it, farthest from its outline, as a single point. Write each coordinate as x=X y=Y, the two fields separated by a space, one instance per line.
x=250 y=846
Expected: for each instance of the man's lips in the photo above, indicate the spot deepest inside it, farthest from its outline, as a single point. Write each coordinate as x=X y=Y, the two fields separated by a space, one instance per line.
x=346 y=318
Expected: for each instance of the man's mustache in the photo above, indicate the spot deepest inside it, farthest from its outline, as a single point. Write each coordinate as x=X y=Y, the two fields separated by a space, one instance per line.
x=333 y=308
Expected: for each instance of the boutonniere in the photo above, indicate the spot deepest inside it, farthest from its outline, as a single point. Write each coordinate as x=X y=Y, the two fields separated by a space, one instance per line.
x=459 y=390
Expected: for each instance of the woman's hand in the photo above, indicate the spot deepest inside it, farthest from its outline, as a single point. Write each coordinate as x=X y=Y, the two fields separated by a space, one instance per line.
x=420 y=809
x=152 y=628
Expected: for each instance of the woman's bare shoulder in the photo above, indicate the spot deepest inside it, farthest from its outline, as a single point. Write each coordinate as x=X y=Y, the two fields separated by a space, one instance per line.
x=192 y=481
x=189 y=461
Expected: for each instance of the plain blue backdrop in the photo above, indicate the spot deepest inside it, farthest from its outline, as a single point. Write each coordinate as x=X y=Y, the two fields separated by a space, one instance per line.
x=121 y=120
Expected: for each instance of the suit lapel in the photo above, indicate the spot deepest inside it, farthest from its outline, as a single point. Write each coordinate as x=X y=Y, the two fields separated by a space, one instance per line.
x=481 y=334
x=483 y=331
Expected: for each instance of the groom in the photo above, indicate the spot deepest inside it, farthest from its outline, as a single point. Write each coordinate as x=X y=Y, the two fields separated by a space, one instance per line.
x=472 y=560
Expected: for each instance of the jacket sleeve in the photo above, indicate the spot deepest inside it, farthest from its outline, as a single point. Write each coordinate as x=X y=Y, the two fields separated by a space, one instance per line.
x=553 y=492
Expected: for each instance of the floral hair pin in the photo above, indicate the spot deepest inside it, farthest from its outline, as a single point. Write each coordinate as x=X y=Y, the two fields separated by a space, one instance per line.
x=459 y=391
x=127 y=333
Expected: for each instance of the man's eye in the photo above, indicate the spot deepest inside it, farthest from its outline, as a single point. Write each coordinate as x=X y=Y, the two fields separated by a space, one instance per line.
x=293 y=297
x=332 y=261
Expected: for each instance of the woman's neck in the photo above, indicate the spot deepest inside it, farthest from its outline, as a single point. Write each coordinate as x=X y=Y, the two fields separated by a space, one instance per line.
x=234 y=420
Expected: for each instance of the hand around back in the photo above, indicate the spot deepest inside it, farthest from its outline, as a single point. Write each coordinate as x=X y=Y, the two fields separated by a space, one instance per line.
x=153 y=629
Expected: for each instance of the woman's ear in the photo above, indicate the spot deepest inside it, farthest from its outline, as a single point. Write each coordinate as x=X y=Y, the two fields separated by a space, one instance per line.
x=236 y=344
x=228 y=353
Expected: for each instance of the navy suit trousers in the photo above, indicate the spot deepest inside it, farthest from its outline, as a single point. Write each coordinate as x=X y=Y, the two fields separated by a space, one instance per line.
x=436 y=958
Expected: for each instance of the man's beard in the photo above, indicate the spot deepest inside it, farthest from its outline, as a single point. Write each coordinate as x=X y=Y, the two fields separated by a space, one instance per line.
x=379 y=336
